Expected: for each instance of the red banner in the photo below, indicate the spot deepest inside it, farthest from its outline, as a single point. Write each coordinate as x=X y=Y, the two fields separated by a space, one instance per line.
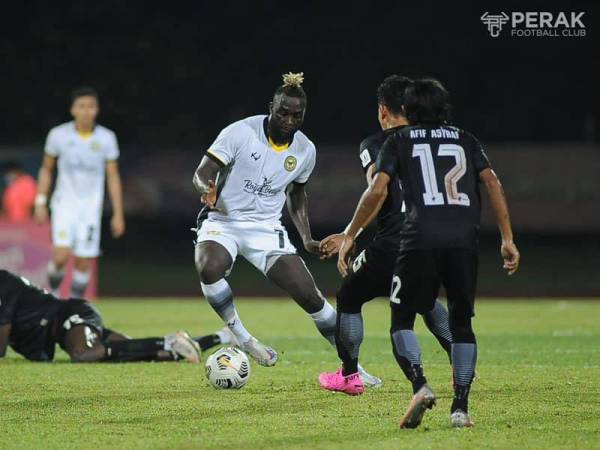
x=25 y=249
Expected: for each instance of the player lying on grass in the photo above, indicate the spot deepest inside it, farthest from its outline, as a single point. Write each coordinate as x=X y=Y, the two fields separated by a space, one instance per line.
x=371 y=273
x=440 y=168
x=253 y=168
x=33 y=321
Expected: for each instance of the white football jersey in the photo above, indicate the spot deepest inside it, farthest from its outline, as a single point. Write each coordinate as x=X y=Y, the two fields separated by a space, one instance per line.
x=259 y=172
x=81 y=166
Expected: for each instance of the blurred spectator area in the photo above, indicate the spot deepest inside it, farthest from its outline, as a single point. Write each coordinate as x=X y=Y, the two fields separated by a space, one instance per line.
x=551 y=188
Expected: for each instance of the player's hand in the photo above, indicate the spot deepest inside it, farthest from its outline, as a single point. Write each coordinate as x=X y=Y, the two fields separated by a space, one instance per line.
x=210 y=198
x=40 y=214
x=344 y=255
x=117 y=225
x=511 y=256
x=312 y=246
x=331 y=245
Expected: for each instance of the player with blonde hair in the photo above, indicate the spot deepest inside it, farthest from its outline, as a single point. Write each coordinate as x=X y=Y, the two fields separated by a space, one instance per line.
x=253 y=168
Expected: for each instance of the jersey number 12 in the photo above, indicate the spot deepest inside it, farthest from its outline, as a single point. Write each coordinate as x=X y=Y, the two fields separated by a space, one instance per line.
x=432 y=195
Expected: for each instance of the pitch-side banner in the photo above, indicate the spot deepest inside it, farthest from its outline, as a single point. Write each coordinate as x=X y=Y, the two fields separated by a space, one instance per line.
x=25 y=249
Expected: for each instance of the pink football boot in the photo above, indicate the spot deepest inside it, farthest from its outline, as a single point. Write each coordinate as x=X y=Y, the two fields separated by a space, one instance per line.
x=335 y=381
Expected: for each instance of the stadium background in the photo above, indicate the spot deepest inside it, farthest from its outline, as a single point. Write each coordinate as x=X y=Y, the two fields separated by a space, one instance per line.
x=171 y=78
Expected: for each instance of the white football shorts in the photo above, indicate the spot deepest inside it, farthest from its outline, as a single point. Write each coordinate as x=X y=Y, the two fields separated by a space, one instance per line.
x=80 y=232
x=260 y=243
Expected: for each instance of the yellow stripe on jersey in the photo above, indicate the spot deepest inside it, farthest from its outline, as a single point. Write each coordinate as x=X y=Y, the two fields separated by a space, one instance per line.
x=278 y=148
x=213 y=154
x=85 y=134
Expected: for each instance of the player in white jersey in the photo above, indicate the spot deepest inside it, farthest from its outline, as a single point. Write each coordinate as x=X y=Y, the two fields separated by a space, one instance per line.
x=84 y=152
x=253 y=168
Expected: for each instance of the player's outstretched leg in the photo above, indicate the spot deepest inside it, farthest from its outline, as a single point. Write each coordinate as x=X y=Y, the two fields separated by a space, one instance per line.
x=436 y=321
x=85 y=344
x=408 y=355
x=221 y=337
x=291 y=274
x=212 y=263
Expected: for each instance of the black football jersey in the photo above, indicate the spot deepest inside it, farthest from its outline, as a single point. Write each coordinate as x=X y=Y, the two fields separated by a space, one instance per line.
x=390 y=216
x=438 y=168
x=32 y=313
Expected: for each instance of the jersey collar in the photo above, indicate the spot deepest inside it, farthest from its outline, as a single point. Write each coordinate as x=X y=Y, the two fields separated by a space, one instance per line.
x=272 y=144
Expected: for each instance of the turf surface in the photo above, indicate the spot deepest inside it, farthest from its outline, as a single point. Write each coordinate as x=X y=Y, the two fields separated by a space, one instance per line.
x=538 y=386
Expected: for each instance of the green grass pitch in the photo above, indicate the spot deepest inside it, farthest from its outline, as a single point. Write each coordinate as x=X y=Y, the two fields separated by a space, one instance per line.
x=537 y=386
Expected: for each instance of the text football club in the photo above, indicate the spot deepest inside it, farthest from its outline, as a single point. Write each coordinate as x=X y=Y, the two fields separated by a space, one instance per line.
x=535 y=24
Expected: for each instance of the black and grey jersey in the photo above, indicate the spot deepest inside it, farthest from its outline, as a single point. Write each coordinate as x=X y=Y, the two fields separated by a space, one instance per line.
x=438 y=168
x=391 y=215
x=32 y=314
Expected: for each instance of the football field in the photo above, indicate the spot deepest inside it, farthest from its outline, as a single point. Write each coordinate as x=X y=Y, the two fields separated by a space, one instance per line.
x=537 y=386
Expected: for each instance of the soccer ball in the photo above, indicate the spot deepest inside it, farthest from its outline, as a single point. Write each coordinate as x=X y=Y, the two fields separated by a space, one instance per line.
x=228 y=368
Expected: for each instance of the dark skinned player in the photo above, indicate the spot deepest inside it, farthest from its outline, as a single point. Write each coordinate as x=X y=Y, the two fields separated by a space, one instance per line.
x=253 y=168
x=33 y=321
x=372 y=270
x=440 y=168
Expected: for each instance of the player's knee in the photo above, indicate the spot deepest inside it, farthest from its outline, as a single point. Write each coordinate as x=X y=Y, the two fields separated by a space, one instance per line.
x=85 y=356
x=345 y=303
x=462 y=331
x=60 y=259
x=402 y=319
x=209 y=271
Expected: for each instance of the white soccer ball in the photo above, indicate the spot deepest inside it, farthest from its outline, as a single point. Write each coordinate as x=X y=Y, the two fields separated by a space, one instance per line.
x=228 y=368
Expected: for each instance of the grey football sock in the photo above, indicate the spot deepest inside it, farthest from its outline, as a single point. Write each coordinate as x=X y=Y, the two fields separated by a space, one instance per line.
x=350 y=333
x=464 y=359
x=436 y=321
x=408 y=355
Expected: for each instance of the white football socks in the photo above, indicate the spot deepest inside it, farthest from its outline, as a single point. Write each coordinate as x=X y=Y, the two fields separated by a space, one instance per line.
x=220 y=297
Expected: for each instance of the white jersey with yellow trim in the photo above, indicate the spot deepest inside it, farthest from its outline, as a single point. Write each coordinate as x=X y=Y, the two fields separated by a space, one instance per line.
x=81 y=166
x=258 y=171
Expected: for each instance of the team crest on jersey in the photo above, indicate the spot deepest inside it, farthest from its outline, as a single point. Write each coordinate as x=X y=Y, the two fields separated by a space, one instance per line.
x=96 y=146
x=290 y=163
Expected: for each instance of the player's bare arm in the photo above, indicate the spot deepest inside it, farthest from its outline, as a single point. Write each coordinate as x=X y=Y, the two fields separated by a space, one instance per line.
x=297 y=204
x=43 y=188
x=510 y=253
x=205 y=179
x=331 y=244
x=368 y=206
x=115 y=191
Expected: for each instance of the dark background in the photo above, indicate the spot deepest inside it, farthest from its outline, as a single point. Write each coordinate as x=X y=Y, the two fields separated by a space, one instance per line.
x=172 y=74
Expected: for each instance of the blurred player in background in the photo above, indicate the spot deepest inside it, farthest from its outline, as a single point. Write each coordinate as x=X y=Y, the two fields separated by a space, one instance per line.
x=440 y=168
x=19 y=193
x=33 y=321
x=84 y=152
x=372 y=270
x=252 y=169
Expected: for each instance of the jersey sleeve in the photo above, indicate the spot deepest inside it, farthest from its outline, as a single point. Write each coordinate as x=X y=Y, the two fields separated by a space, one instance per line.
x=225 y=148
x=480 y=159
x=387 y=161
x=368 y=153
x=304 y=175
x=111 y=151
x=51 y=146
